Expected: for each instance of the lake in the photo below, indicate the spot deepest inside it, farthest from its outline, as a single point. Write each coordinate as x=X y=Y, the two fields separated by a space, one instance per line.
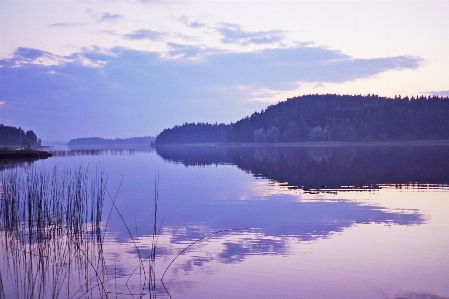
x=315 y=221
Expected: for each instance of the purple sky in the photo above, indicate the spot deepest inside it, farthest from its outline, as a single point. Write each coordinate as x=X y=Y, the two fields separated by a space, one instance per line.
x=113 y=69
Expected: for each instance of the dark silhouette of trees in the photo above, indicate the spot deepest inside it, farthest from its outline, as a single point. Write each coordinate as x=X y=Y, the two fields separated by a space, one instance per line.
x=333 y=117
x=16 y=137
x=194 y=133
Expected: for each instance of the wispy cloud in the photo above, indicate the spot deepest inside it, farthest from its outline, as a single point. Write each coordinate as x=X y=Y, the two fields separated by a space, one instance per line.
x=194 y=24
x=234 y=34
x=66 y=25
x=148 y=34
x=189 y=51
x=100 y=17
x=443 y=93
x=144 y=34
x=108 y=17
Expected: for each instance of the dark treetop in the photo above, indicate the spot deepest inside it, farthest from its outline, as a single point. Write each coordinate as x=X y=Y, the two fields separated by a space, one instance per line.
x=16 y=137
x=194 y=133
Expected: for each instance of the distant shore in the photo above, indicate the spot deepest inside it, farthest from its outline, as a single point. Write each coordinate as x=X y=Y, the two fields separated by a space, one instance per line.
x=315 y=143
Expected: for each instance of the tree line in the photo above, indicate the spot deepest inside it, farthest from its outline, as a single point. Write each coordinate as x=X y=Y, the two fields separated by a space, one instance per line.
x=328 y=117
x=194 y=133
x=118 y=141
x=17 y=137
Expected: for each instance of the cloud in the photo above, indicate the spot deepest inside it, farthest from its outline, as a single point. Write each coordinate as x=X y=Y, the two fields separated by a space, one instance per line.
x=148 y=34
x=31 y=56
x=100 y=17
x=188 y=51
x=143 y=90
x=194 y=24
x=233 y=34
x=108 y=17
x=30 y=53
x=144 y=34
x=66 y=25
x=441 y=93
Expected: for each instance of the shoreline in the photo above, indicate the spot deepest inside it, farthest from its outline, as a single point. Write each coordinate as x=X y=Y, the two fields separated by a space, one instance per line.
x=316 y=143
x=24 y=154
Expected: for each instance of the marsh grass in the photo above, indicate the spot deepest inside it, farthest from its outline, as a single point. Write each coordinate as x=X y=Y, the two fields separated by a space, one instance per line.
x=51 y=233
x=52 y=236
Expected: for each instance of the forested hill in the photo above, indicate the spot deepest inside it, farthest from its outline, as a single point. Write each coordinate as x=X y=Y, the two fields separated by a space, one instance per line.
x=346 y=118
x=16 y=137
x=194 y=133
x=332 y=118
x=101 y=141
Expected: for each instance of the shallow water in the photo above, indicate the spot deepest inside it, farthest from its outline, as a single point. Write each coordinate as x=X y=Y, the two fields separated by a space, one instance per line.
x=275 y=222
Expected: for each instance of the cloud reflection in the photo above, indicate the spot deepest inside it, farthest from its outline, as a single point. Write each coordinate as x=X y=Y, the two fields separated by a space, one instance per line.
x=266 y=227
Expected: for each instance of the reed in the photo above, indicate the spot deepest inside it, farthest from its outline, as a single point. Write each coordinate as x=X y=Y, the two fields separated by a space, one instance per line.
x=52 y=233
x=51 y=241
x=39 y=205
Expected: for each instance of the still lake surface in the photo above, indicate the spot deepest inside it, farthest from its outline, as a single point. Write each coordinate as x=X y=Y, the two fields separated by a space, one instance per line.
x=359 y=221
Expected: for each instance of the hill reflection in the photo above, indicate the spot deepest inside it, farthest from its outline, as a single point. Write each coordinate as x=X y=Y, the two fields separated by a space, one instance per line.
x=332 y=166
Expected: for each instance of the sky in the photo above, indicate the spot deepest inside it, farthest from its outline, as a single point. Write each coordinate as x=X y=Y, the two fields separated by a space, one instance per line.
x=128 y=68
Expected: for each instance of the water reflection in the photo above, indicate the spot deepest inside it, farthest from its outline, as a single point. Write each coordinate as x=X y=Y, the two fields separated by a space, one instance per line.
x=305 y=221
x=12 y=163
x=270 y=239
x=331 y=166
x=107 y=148
x=195 y=155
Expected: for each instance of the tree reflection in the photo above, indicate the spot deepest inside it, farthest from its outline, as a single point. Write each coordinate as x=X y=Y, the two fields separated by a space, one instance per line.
x=331 y=166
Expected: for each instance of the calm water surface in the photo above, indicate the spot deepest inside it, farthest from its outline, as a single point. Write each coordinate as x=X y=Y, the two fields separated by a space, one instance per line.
x=275 y=222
